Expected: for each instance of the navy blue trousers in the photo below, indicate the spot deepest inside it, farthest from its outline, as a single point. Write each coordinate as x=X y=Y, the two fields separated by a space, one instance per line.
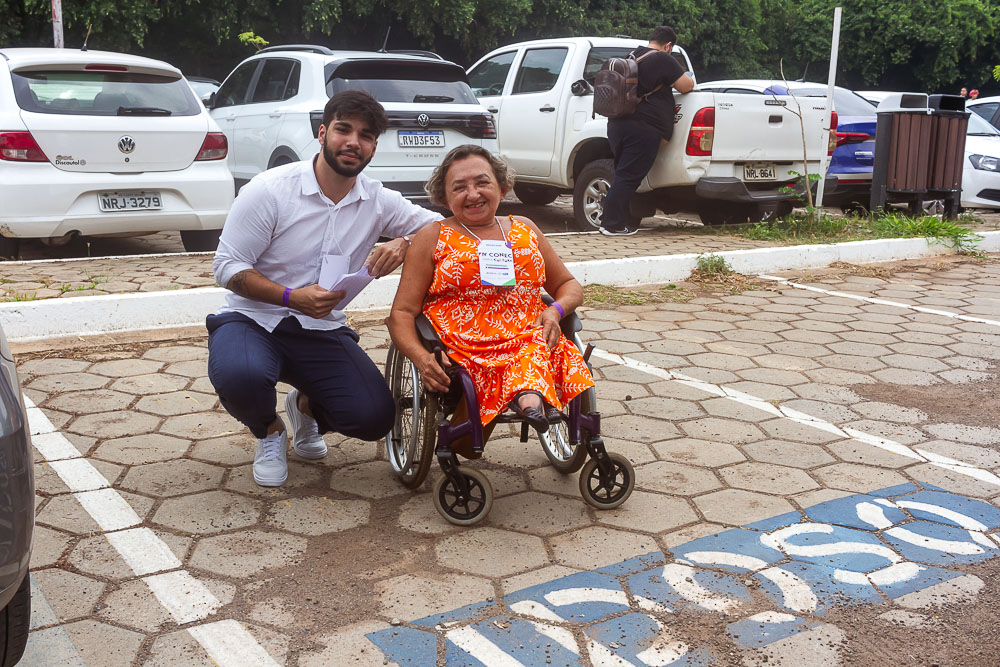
x=347 y=393
x=634 y=145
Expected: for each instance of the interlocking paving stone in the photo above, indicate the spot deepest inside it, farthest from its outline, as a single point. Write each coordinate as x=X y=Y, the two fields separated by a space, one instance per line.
x=145 y=448
x=767 y=478
x=698 y=452
x=318 y=515
x=533 y=512
x=208 y=513
x=247 y=553
x=738 y=507
x=492 y=552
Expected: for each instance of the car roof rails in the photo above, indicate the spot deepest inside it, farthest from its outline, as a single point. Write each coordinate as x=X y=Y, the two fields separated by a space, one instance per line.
x=416 y=52
x=309 y=48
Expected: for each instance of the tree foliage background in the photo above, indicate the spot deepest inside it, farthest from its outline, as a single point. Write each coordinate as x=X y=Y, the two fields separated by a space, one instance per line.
x=931 y=45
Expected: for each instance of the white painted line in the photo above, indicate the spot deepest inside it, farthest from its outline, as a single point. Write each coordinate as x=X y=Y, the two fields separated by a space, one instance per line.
x=88 y=315
x=187 y=599
x=881 y=302
x=481 y=648
x=144 y=552
x=79 y=474
x=108 y=509
x=966 y=469
x=54 y=446
x=229 y=644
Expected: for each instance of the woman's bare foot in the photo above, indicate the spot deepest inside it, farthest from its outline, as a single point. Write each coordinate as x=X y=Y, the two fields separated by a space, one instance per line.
x=529 y=399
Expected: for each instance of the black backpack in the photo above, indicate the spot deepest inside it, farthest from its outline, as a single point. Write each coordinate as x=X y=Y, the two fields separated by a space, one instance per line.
x=616 y=86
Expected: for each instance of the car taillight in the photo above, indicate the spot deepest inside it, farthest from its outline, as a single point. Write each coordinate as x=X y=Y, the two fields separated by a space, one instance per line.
x=851 y=138
x=215 y=147
x=832 y=143
x=702 y=133
x=482 y=127
x=20 y=147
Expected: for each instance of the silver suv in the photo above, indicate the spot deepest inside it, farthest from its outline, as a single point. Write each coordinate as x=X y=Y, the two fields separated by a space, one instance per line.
x=271 y=107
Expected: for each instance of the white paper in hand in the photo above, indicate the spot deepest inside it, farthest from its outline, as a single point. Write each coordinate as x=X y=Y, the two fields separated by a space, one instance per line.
x=352 y=284
x=333 y=269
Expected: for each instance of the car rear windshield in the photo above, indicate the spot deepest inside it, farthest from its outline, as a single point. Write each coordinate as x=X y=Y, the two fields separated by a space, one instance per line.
x=402 y=81
x=80 y=93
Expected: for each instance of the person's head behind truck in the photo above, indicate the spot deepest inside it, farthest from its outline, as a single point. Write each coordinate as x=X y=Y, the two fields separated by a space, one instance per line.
x=663 y=38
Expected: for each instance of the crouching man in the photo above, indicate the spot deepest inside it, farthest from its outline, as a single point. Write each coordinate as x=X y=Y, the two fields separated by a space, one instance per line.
x=278 y=324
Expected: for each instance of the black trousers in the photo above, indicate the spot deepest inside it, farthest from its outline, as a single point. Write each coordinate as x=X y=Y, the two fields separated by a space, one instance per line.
x=347 y=393
x=634 y=145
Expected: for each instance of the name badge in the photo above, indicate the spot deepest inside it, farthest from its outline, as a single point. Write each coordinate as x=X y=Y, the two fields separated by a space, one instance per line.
x=496 y=264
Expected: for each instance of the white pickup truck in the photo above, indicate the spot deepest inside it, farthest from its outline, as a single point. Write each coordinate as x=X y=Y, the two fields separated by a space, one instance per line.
x=730 y=157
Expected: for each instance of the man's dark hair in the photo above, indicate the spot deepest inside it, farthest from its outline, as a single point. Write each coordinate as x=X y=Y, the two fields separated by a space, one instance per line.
x=356 y=104
x=664 y=34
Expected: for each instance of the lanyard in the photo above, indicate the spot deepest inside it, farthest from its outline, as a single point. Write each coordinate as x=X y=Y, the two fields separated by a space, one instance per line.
x=473 y=234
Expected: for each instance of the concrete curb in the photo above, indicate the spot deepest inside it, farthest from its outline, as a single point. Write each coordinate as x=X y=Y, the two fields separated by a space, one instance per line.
x=85 y=315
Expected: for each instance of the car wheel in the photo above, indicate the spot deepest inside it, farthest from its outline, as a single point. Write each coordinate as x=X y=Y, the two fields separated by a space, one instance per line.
x=592 y=185
x=536 y=195
x=10 y=248
x=14 y=621
x=200 y=240
x=724 y=212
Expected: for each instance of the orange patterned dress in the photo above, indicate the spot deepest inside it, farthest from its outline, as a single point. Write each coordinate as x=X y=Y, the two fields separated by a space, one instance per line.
x=490 y=331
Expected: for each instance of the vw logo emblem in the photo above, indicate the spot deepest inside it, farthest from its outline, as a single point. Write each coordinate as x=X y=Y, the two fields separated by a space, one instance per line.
x=423 y=120
x=126 y=144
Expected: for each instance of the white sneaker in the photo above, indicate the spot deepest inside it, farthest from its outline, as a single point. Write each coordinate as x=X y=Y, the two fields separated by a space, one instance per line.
x=306 y=440
x=270 y=467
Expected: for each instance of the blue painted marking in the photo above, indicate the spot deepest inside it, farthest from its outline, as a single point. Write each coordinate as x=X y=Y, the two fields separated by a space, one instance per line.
x=734 y=541
x=753 y=633
x=637 y=564
x=897 y=490
x=829 y=591
x=654 y=586
x=518 y=639
x=852 y=559
x=776 y=522
x=844 y=512
x=981 y=511
x=597 y=601
x=460 y=614
x=959 y=546
x=629 y=636
x=406 y=646
x=584 y=612
x=928 y=576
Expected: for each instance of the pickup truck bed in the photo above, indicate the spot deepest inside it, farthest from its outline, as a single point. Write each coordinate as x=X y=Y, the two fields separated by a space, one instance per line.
x=731 y=158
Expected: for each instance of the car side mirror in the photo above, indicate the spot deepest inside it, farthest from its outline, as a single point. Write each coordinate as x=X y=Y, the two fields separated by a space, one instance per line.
x=209 y=100
x=581 y=87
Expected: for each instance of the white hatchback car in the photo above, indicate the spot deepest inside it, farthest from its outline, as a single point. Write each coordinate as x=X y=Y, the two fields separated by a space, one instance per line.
x=271 y=107
x=99 y=143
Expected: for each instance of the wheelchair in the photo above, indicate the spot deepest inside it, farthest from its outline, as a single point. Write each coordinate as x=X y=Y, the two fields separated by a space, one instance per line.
x=463 y=496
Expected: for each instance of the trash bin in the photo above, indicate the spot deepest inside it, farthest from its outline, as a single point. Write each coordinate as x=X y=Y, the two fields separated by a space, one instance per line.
x=950 y=123
x=904 y=135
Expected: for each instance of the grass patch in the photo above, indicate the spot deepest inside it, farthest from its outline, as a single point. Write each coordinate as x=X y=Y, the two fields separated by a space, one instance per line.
x=599 y=296
x=800 y=228
x=712 y=265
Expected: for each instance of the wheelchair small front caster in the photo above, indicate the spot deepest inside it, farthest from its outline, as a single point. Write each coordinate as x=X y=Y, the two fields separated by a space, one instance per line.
x=463 y=507
x=605 y=492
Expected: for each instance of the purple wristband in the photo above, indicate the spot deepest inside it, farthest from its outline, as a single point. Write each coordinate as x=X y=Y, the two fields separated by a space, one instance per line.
x=562 y=313
x=284 y=297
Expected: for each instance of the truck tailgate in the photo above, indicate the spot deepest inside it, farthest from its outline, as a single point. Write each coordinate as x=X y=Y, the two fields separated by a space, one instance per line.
x=751 y=128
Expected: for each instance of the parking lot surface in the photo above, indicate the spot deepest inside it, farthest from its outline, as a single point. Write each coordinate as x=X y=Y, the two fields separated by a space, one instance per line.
x=816 y=484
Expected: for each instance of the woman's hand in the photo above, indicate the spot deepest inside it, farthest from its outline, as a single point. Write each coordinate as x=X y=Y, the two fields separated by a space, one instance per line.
x=549 y=321
x=432 y=374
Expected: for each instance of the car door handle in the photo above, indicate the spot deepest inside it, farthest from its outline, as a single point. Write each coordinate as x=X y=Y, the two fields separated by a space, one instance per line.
x=547 y=108
x=493 y=109
x=275 y=114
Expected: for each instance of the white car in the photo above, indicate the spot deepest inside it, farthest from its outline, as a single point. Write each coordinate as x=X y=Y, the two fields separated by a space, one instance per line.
x=99 y=143
x=981 y=175
x=271 y=107
x=987 y=107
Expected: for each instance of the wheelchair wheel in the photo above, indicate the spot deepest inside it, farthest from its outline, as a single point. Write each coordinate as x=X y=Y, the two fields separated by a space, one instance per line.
x=563 y=457
x=410 y=443
x=464 y=510
x=606 y=496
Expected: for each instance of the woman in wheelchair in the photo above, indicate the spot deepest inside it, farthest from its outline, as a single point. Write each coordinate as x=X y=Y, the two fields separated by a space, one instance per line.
x=478 y=279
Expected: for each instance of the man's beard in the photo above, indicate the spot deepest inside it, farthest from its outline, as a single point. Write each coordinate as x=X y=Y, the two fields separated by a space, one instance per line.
x=347 y=172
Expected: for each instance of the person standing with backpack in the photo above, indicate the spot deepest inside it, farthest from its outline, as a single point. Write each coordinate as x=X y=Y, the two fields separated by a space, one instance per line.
x=636 y=137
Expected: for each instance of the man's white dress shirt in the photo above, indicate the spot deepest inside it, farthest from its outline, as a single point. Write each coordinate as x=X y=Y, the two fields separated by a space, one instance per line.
x=282 y=225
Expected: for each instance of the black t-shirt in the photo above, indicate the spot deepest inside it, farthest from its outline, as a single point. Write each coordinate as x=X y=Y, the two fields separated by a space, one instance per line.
x=657 y=110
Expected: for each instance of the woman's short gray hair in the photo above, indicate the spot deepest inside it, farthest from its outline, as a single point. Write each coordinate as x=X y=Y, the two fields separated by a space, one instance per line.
x=501 y=171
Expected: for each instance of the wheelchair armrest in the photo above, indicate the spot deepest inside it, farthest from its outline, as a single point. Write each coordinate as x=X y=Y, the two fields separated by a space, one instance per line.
x=569 y=324
x=428 y=335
